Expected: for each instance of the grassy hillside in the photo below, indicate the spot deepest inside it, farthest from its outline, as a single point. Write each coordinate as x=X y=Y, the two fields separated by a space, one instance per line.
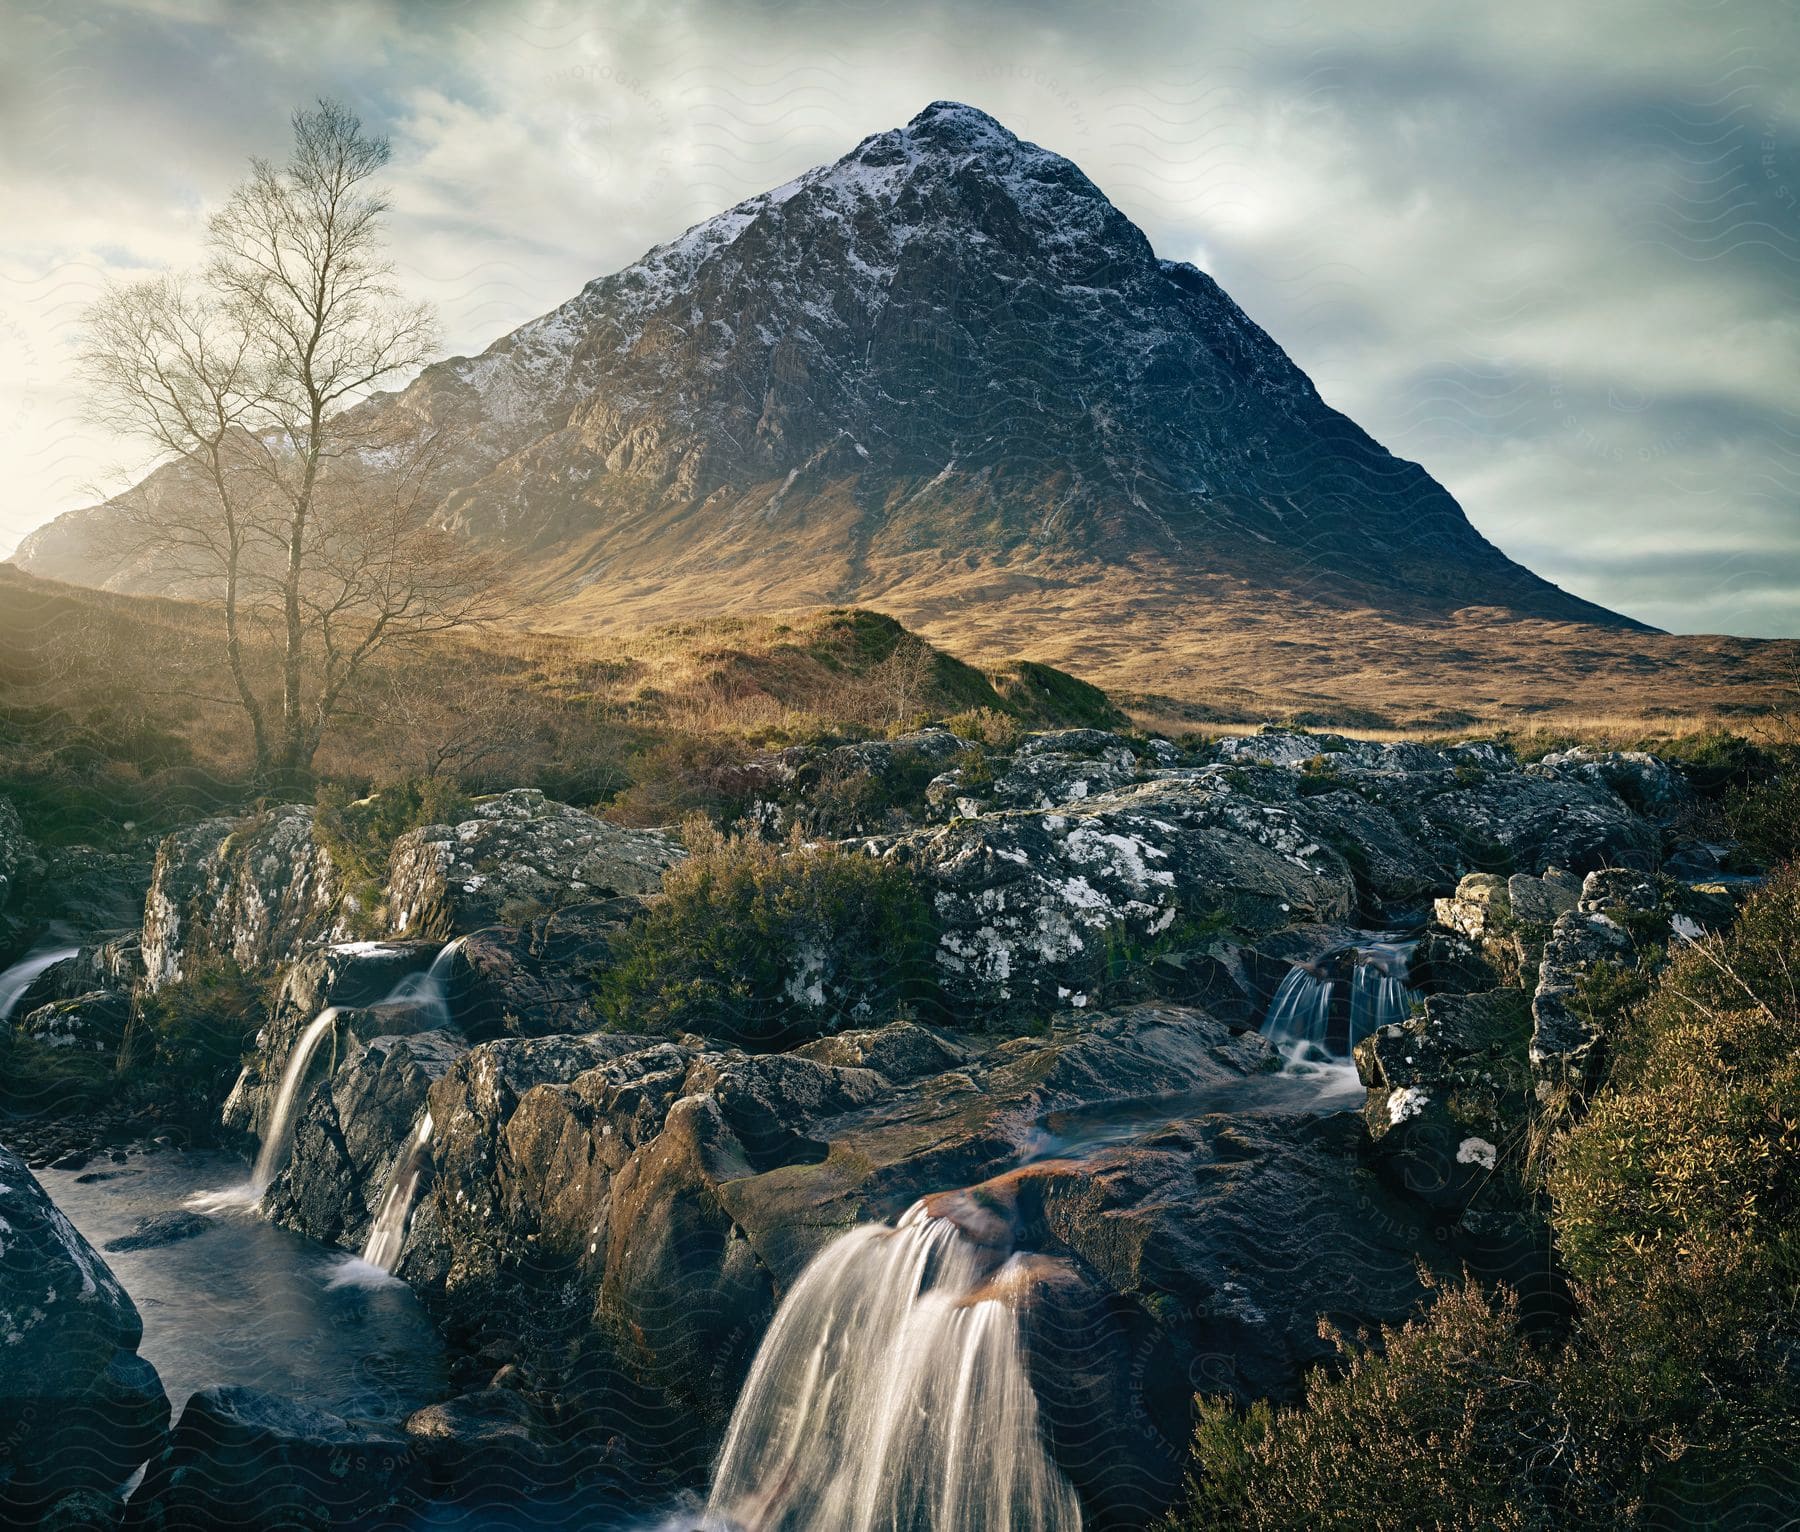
x=116 y=712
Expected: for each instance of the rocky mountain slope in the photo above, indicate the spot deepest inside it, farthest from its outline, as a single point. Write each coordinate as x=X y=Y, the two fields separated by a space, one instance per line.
x=945 y=362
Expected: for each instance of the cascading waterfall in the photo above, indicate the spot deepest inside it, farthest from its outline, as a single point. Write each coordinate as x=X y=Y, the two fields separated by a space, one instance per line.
x=1377 y=998
x=1301 y=1009
x=890 y=1395
x=388 y=1235
x=429 y=991
x=24 y=973
x=1301 y=1012
x=280 y=1128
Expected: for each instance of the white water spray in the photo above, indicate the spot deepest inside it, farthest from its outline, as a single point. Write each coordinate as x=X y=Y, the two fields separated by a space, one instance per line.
x=388 y=1235
x=890 y=1395
x=24 y=973
x=279 y=1131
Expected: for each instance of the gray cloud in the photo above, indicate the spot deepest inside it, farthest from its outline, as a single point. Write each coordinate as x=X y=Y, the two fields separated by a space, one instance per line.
x=1547 y=250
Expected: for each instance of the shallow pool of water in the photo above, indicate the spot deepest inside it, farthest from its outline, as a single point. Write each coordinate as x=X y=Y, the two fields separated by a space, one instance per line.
x=244 y=1302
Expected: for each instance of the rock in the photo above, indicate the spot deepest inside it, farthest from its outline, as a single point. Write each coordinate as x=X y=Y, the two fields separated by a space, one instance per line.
x=254 y=890
x=1035 y=906
x=1583 y=941
x=353 y=976
x=536 y=979
x=19 y=861
x=1649 y=787
x=485 y=1447
x=241 y=1458
x=1481 y=901
x=1051 y=770
x=161 y=1229
x=900 y=1052
x=79 y=1409
x=352 y=1132
x=86 y=1510
x=88 y=890
x=90 y=1023
x=518 y=856
x=1539 y=901
x=864 y=788
x=1449 y=1094
x=647 y=1207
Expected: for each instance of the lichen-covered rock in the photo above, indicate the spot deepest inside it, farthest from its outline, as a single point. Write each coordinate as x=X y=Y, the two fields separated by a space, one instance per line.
x=517 y=856
x=79 y=1408
x=1582 y=942
x=257 y=891
x=1030 y=904
x=1482 y=901
x=89 y=1023
x=1540 y=901
x=1648 y=786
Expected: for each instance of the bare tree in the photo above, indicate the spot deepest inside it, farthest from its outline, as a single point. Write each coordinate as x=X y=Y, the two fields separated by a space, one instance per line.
x=902 y=680
x=306 y=510
x=458 y=723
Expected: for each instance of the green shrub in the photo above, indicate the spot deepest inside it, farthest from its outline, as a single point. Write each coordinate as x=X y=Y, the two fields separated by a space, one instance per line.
x=844 y=801
x=197 y=1028
x=1764 y=813
x=685 y=774
x=1674 y=1400
x=987 y=726
x=359 y=832
x=767 y=947
x=1451 y=1423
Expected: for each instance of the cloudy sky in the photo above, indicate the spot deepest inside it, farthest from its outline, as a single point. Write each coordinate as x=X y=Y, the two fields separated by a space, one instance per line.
x=1551 y=250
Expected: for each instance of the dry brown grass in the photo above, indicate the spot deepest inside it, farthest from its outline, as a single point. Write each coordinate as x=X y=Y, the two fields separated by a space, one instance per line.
x=1192 y=649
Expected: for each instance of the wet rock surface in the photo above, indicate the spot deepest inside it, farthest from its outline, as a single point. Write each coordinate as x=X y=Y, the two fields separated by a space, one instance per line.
x=240 y=1457
x=79 y=1408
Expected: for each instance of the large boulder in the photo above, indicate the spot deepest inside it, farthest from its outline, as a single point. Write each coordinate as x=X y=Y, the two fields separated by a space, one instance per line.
x=536 y=979
x=1035 y=908
x=517 y=856
x=255 y=890
x=1647 y=785
x=79 y=1408
x=90 y=1023
x=241 y=1458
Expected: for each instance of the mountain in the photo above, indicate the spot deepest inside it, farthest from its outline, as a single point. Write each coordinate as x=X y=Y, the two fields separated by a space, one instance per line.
x=943 y=370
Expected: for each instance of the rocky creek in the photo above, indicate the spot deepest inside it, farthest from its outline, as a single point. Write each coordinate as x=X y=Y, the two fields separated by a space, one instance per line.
x=1216 y=1047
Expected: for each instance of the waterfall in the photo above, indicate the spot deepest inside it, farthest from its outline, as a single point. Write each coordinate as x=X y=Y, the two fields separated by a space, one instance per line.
x=388 y=1234
x=1301 y=1009
x=23 y=974
x=890 y=1395
x=280 y=1126
x=1376 y=999
x=429 y=990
